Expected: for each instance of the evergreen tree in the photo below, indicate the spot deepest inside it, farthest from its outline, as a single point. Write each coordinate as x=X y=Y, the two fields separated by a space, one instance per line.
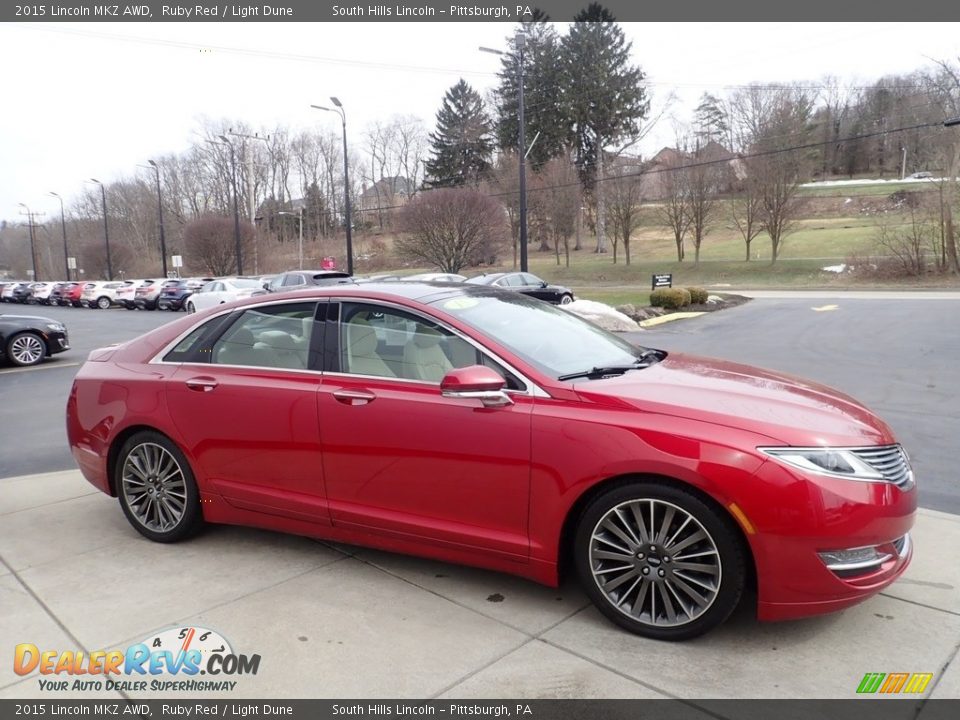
x=462 y=142
x=712 y=121
x=605 y=98
x=544 y=112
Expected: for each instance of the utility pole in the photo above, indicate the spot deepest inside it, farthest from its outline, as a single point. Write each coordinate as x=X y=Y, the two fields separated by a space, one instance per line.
x=947 y=204
x=106 y=232
x=251 y=199
x=63 y=226
x=299 y=216
x=33 y=244
x=236 y=210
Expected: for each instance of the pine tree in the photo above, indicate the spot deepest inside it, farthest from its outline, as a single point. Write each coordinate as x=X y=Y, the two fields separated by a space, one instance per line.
x=605 y=98
x=462 y=142
x=543 y=93
x=712 y=120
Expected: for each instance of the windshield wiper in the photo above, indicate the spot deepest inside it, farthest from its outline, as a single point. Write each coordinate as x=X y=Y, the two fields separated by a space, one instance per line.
x=644 y=359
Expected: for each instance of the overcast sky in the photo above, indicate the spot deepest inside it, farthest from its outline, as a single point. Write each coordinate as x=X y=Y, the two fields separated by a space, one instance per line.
x=87 y=99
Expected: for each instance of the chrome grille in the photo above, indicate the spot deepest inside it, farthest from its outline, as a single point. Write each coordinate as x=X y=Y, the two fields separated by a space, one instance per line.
x=890 y=461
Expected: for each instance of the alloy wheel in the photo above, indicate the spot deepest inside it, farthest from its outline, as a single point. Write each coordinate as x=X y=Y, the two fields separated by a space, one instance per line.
x=154 y=487
x=26 y=349
x=655 y=562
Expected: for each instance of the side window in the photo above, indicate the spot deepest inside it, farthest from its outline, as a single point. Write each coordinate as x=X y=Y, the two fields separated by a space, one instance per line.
x=292 y=280
x=385 y=342
x=531 y=280
x=515 y=281
x=277 y=336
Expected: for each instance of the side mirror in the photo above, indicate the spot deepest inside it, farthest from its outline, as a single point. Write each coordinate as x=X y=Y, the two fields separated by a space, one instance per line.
x=476 y=382
x=543 y=283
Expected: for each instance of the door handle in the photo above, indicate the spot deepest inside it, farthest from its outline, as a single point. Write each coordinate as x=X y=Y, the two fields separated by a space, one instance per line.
x=201 y=384
x=354 y=397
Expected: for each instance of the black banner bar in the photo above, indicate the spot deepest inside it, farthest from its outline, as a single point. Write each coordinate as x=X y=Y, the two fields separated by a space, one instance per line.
x=476 y=11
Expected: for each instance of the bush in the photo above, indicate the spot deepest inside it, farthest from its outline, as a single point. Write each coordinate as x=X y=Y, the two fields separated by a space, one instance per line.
x=670 y=298
x=698 y=296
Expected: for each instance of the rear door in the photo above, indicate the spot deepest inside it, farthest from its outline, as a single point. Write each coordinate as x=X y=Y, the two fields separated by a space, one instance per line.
x=245 y=404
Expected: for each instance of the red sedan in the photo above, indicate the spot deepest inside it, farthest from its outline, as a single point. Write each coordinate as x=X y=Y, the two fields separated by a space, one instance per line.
x=479 y=426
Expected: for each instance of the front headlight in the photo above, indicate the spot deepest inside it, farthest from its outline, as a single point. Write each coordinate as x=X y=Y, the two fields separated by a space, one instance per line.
x=56 y=327
x=834 y=462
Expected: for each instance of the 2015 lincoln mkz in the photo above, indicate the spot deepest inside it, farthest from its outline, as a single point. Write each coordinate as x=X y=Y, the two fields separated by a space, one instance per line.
x=483 y=427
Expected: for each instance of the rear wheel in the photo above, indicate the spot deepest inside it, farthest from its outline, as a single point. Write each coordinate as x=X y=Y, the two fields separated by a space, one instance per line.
x=26 y=349
x=658 y=561
x=156 y=488
x=103 y=303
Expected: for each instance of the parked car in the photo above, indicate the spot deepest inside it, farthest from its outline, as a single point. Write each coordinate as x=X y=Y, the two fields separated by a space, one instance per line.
x=127 y=293
x=27 y=340
x=174 y=294
x=299 y=279
x=7 y=294
x=195 y=283
x=435 y=277
x=101 y=294
x=527 y=284
x=40 y=292
x=22 y=293
x=922 y=175
x=71 y=294
x=147 y=293
x=223 y=291
x=56 y=294
x=673 y=484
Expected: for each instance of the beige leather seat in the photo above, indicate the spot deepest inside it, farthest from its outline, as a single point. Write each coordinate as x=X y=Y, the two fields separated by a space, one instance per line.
x=423 y=356
x=361 y=350
x=239 y=349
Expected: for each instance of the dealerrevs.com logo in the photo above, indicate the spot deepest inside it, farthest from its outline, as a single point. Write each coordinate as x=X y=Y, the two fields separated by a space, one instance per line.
x=172 y=660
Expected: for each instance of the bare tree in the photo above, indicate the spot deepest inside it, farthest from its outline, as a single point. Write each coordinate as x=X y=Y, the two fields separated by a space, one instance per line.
x=212 y=243
x=624 y=202
x=745 y=211
x=945 y=89
x=674 y=206
x=703 y=186
x=779 y=207
x=908 y=242
x=560 y=196
x=451 y=228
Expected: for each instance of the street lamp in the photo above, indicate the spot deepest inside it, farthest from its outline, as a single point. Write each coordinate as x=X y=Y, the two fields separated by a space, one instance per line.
x=63 y=225
x=520 y=44
x=299 y=216
x=236 y=209
x=106 y=233
x=346 y=176
x=33 y=251
x=163 y=243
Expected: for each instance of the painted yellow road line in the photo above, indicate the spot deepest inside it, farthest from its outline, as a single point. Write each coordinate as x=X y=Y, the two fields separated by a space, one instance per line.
x=39 y=367
x=825 y=308
x=650 y=322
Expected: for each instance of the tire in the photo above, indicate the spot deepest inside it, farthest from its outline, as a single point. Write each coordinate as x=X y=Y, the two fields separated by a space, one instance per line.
x=156 y=488
x=130 y=306
x=104 y=303
x=566 y=299
x=190 y=308
x=25 y=349
x=634 y=582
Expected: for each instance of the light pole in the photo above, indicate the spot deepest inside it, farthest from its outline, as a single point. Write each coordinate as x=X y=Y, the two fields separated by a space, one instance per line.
x=163 y=241
x=299 y=216
x=33 y=250
x=520 y=44
x=236 y=209
x=346 y=177
x=947 y=205
x=63 y=225
x=106 y=232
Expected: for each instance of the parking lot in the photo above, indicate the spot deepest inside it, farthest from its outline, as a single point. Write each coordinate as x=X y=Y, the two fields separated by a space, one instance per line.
x=341 y=621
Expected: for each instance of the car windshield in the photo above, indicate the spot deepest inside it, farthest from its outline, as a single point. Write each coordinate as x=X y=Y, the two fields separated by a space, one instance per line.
x=555 y=341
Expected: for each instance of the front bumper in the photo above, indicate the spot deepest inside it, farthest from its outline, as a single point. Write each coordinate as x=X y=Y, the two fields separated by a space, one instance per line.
x=809 y=514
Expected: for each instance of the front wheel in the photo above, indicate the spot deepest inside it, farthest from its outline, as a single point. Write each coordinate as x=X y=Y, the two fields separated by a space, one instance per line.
x=658 y=561
x=566 y=299
x=191 y=308
x=157 y=489
x=103 y=303
x=26 y=349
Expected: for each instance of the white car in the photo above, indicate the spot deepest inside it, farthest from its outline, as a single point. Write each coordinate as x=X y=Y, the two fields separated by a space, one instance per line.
x=100 y=294
x=127 y=294
x=436 y=277
x=41 y=292
x=222 y=291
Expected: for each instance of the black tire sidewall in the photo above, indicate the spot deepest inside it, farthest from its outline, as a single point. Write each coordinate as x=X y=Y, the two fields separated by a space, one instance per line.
x=724 y=534
x=192 y=519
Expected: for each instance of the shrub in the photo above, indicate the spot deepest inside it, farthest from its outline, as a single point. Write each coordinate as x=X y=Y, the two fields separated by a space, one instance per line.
x=670 y=298
x=698 y=296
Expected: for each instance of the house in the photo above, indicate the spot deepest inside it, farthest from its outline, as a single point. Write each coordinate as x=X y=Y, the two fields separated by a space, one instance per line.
x=386 y=193
x=656 y=173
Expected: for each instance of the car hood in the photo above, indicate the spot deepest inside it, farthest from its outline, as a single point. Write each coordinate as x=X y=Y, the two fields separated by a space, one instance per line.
x=32 y=319
x=786 y=409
